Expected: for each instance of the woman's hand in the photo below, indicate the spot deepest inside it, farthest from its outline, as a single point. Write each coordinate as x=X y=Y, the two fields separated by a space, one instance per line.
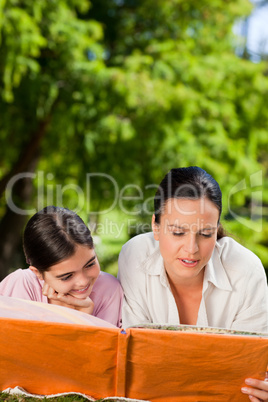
x=259 y=392
x=85 y=305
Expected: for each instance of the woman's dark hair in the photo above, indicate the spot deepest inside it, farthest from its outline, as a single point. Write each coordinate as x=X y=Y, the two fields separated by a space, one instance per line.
x=52 y=235
x=188 y=182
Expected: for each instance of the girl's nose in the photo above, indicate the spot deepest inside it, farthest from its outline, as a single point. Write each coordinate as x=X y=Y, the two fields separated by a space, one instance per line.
x=81 y=280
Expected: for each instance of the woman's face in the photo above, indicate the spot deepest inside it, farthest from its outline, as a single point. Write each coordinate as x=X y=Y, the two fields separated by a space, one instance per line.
x=75 y=275
x=187 y=235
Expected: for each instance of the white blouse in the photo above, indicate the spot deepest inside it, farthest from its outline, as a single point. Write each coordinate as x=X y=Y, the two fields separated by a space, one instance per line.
x=234 y=292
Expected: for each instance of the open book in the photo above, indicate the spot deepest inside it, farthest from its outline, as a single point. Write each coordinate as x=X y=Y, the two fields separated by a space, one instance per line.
x=152 y=363
x=195 y=329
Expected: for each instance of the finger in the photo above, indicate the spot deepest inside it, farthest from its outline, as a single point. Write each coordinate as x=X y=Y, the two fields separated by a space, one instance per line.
x=60 y=295
x=263 y=385
x=73 y=301
x=253 y=399
x=255 y=395
x=45 y=289
x=49 y=292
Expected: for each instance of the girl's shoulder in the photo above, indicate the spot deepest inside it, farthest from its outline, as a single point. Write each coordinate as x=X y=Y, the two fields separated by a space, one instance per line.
x=20 y=274
x=22 y=283
x=106 y=281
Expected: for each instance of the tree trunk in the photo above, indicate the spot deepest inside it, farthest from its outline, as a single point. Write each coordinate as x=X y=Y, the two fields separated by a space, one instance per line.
x=11 y=227
x=12 y=223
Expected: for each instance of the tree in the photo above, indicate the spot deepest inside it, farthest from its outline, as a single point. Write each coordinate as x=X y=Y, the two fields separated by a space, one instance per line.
x=44 y=65
x=129 y=89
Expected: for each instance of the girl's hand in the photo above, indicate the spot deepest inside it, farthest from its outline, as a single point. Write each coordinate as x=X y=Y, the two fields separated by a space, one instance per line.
x=85 y=305
x=260 y=391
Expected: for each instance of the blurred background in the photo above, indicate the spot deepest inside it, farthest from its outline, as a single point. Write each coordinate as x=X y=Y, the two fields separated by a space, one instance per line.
x=99 y=99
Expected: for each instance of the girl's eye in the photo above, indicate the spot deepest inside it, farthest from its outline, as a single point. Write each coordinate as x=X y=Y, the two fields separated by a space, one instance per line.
x=90 y=265
x=206 y=235
x=65 y=278
x=178 y=233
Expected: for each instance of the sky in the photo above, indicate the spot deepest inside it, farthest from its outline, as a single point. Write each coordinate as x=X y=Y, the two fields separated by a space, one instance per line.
x=258 y=30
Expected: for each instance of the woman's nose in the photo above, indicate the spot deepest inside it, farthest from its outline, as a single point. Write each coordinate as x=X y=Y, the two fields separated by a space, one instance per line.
x=191 y=244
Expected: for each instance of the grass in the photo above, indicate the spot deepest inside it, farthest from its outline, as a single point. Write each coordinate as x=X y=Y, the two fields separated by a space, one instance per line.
x=5 y=397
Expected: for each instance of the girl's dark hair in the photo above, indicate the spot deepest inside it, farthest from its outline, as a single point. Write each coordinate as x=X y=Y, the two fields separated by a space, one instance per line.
x=51 y=236
x=188 y=182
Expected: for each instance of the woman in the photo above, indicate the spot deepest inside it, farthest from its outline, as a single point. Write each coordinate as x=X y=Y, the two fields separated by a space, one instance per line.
x=64 y=268
x=187 y=271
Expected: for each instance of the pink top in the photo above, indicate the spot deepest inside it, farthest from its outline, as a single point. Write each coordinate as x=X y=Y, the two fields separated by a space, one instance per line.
x=106 y=294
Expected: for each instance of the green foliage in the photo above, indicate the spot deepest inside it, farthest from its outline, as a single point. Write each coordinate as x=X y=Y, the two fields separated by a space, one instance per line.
x=131 y=89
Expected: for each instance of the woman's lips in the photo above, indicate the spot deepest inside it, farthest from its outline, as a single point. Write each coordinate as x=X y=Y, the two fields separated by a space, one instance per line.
x=188 y=263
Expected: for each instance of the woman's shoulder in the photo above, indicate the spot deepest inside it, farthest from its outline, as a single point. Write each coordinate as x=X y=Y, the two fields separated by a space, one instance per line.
x=235 y=256
x=140 y=256
x=141 y=245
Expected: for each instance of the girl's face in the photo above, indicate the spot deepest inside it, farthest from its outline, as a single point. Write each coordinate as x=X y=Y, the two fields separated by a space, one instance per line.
x=187 y=235
x=75 y=275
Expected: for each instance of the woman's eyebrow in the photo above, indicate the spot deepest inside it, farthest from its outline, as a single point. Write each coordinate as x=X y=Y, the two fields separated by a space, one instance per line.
x=209 y=229
x=68 y=273
x=187 y=228
x=177 y=227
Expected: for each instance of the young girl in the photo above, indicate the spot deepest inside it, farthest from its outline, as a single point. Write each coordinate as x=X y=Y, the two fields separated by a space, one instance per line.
x=64 y=268
x=187 y=271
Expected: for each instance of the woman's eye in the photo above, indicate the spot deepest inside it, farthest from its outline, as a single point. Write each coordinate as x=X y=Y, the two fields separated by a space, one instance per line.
x=178 y=233
x=206 y=234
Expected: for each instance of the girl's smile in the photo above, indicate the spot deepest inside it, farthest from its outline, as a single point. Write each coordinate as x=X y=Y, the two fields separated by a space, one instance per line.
x=75 y=275
x=80 y=291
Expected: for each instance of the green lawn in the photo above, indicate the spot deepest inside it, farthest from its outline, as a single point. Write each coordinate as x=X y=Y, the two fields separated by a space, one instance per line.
x=4 y=397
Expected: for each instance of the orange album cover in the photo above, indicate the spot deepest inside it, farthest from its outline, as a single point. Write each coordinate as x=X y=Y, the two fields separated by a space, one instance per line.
x=155 y=363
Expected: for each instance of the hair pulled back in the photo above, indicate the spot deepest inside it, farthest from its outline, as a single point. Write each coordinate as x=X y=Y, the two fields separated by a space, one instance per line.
x=52 y=235
x=188 y=182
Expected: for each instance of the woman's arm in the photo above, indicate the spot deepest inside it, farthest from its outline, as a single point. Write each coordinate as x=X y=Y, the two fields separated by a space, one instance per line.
x=259 y=392
x=253 y=313
x=134 y=311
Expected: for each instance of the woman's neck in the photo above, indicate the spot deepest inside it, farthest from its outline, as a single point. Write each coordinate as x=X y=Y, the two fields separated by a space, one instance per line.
x=188 y=296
